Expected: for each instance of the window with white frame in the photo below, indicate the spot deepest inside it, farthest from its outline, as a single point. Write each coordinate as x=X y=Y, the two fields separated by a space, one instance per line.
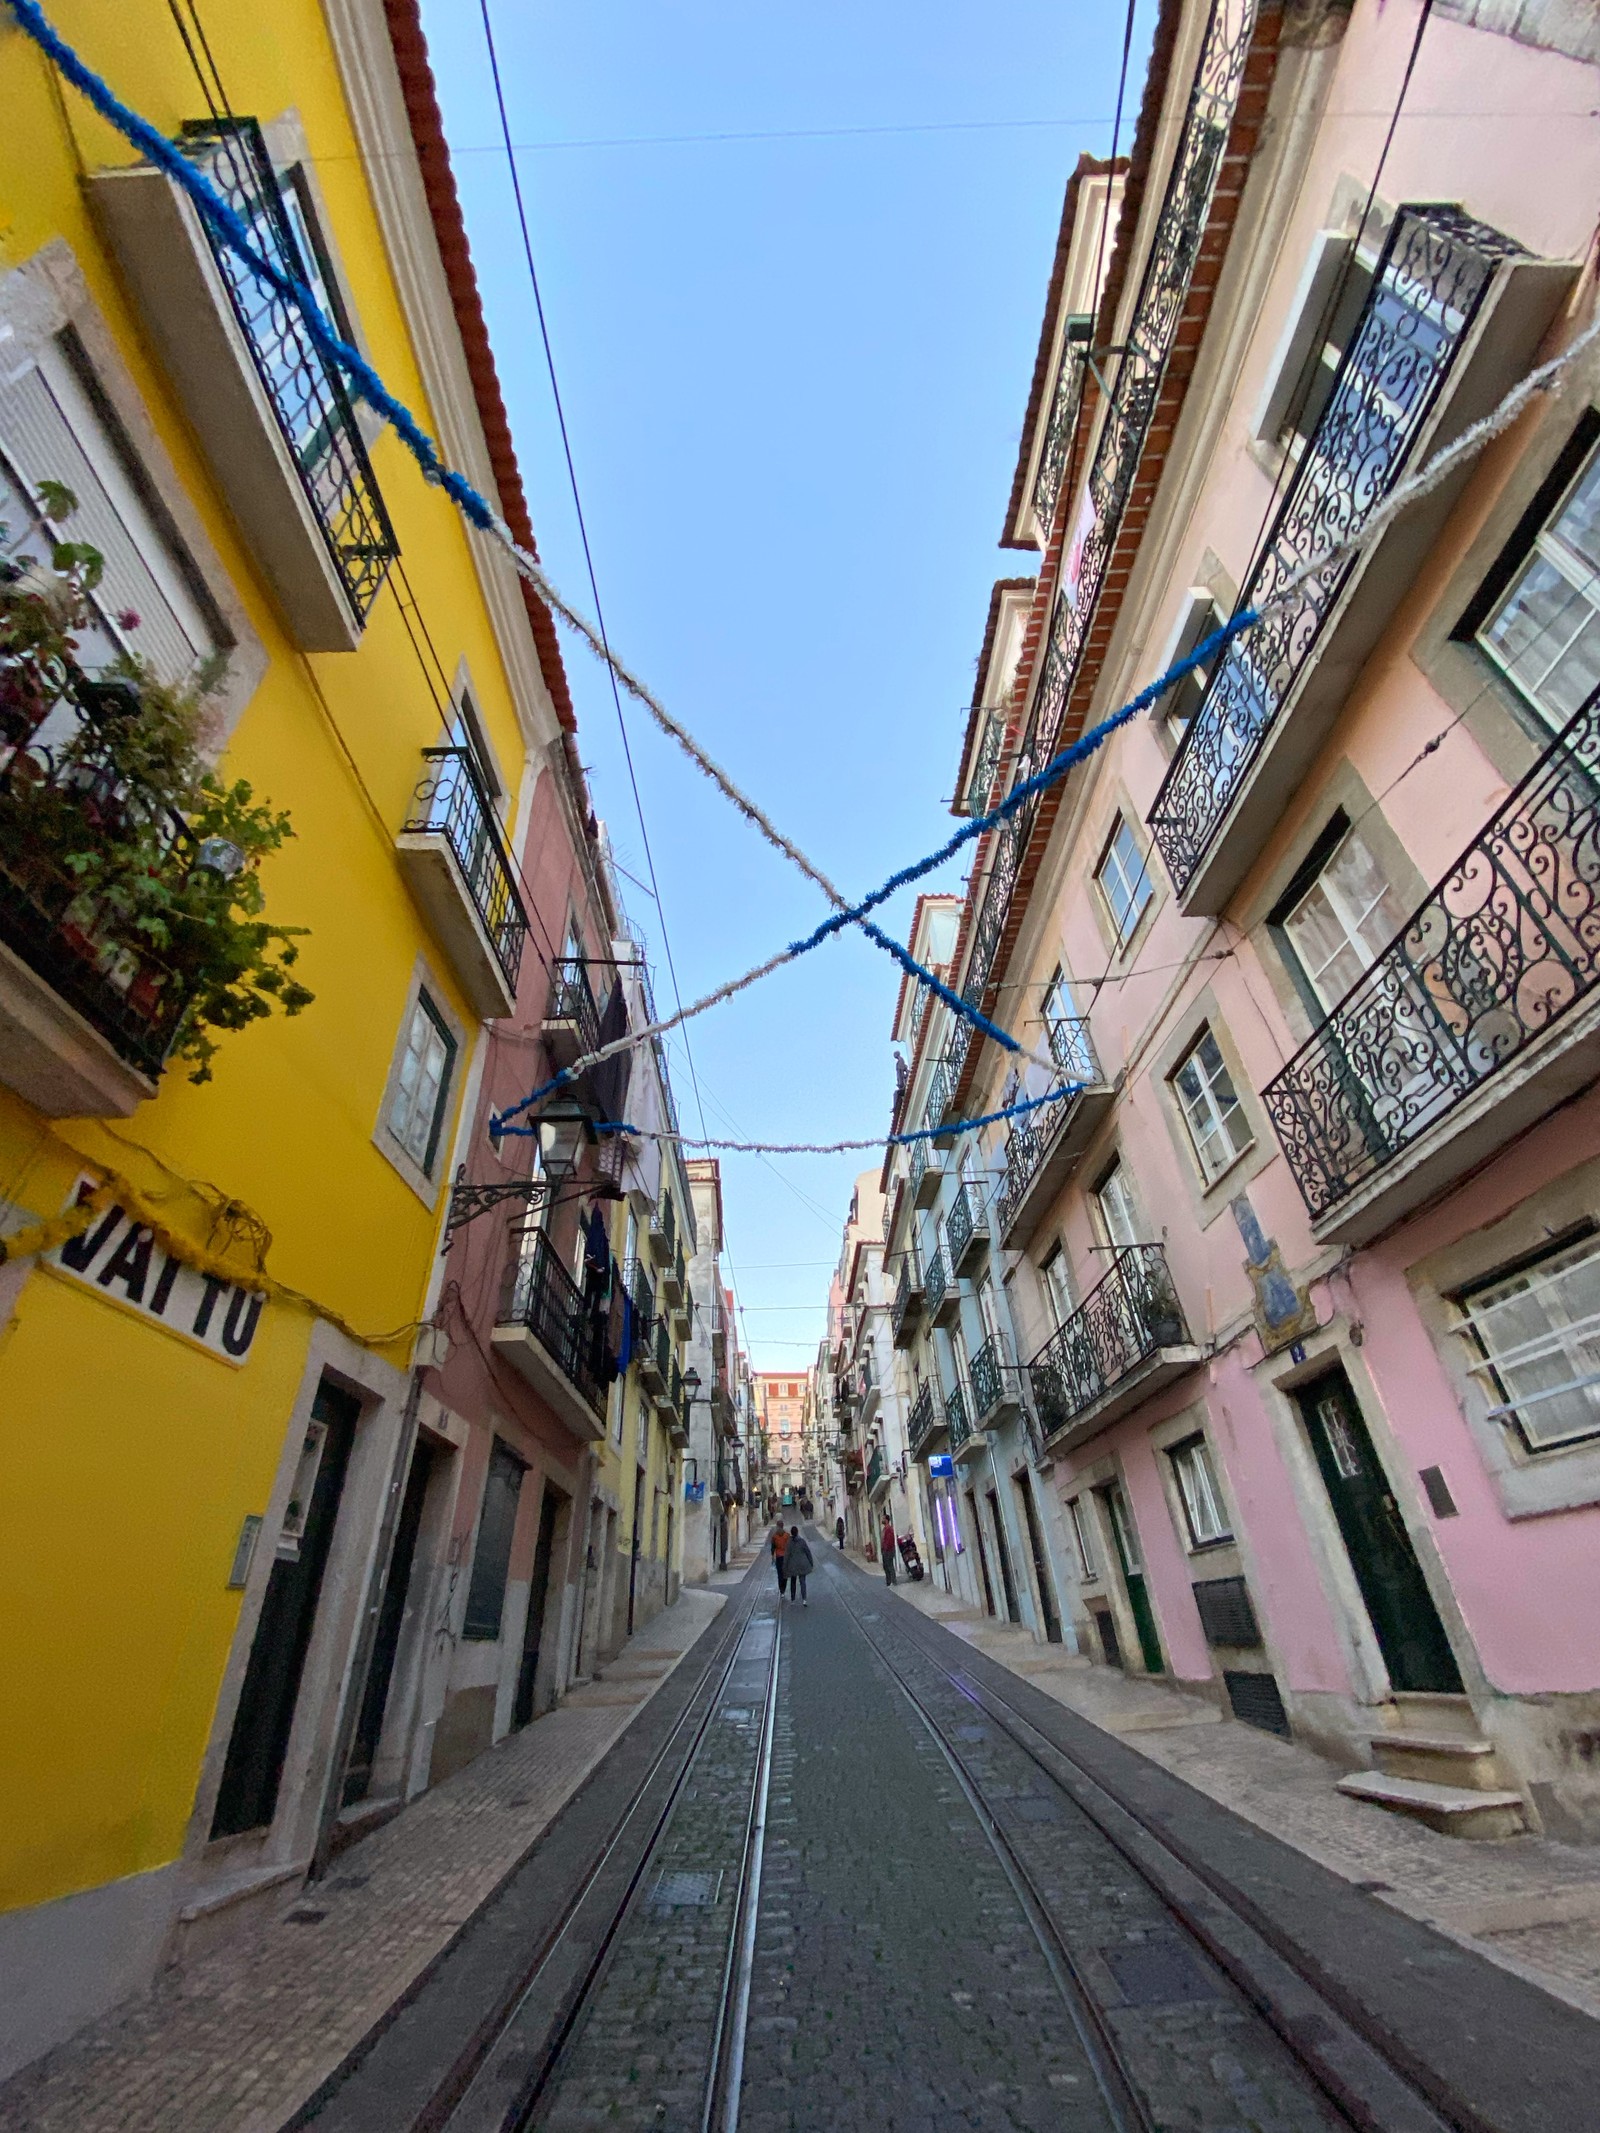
x=421 y=1093
x=1545 y=630
x=1204 y=1511
x=1202 y=618
x=1057 y=1277
x=1535 y=1335
x=1123 y=880
x=1114 y=1206
x=55 y=427
x=1079 y=1516
x=1333 y=288
x=1341 y=919
x=1211 y=1108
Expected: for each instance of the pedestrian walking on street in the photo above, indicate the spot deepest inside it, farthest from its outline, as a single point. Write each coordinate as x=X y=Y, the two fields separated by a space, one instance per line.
x=838 y=1532
x=778 y=1542
x=798 y=1564
x=886 y=1539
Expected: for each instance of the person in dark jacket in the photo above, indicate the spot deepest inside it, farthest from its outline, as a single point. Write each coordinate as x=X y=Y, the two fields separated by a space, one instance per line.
x=838 y=1532
x=886 y=1540
x=798 y=1564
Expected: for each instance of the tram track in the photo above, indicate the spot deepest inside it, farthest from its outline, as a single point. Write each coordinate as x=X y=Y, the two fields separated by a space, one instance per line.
x=1352 y=2070
x=524 y=2066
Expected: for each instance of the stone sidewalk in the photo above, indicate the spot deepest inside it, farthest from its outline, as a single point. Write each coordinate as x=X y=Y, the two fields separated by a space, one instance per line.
x=237 y=2040
x=1528 y=1903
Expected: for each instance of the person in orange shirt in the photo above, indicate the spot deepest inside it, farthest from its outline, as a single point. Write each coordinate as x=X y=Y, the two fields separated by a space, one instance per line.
x=778 y=1541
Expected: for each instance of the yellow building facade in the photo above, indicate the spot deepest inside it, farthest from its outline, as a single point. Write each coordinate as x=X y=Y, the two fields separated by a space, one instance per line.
x=226 y=1350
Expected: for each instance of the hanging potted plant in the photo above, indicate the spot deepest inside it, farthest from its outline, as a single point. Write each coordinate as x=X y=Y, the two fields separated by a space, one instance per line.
x=138 y=858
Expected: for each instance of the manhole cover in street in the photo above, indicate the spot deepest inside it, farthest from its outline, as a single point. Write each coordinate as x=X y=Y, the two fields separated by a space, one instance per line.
x=1032 y=1807
x=1157 y=1973
x=684 y=1891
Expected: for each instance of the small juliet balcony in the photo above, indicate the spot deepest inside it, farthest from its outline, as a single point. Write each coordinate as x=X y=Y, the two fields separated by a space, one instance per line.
x=665 y=1363
x=967 y=1230
x=1455 y=316
x=1043 y=1147
x=89 y=1008
x=571 y=1026
x=455 y=862
x=274 y=419
x=1125 y=1341
x=905 y=1313
x=966 y=1442
x=1478 y=1018
x=926 y=1171
x=995 y=1398
x=943 y=1297
x=942 y=1095
x=677 y=1413
x=877 y=1474
x=661 y=1232
x=674 y=1279
x=551 y=1336
x=925 y=1430
x=866 y=1389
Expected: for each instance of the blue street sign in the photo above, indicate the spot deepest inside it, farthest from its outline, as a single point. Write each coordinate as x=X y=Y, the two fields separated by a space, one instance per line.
x=941 y=1465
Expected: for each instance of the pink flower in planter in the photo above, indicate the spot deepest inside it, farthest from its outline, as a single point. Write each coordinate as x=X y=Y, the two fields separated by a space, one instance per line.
x=127 y=619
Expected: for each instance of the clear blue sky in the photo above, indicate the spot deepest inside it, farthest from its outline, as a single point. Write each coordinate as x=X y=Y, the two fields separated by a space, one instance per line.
x=794 y=371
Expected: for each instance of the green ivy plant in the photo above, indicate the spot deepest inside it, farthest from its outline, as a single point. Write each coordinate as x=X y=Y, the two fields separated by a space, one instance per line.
x=149 y=862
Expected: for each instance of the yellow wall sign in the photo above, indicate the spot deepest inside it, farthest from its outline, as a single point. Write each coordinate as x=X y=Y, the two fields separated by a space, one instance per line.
x=123 y=1261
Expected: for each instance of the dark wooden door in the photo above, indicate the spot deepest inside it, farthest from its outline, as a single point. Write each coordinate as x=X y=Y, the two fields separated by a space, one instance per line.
x=1008 y=1583
x=1405 y=1621
x=259 y=1742
x=1126 y=1537
x=391 y=1614
x=1041 y=1566
x=983 y=1553
x=538 y=1594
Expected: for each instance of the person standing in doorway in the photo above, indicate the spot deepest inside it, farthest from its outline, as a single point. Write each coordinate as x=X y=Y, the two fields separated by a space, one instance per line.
x=778 y=1542
x=838 y=1532
x=886 y=1542
x=798 y=1564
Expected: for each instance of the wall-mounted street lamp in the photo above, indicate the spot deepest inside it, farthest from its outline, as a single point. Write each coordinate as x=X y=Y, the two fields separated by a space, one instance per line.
x=565 y=1129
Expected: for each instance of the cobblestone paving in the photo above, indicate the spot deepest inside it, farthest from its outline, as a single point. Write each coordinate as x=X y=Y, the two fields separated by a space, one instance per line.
x=1461 y=1887
x=234 y=2042
x=642 y=2057
x=897 y=1984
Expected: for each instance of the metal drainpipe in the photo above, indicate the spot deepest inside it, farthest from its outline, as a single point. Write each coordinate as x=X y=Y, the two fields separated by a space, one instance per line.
x=356 y=1680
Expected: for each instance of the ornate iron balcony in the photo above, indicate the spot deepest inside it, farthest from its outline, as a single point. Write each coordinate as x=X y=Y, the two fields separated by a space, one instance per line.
x=980 y=793
x=907 y=1306
x=956 y=1419
x=988 y=1380
x=935 y=1283
x=968 y=1227
x=83 y=949
x=1505 y=946
x=1057 y=452
x=451 y=803
x=572 y=1000
x=877 y=1467
x=1429 y=282
x=308 y=395
x=920 y=1427
x=1031 y=1139
x=1125 y=1318
x=642 y=1301
x=942 y=1086
x=540 y=1294
x=1152 y=333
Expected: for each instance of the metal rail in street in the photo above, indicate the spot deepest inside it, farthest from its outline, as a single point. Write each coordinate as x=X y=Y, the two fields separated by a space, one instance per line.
x=520 y=2073
x=1353 y=2075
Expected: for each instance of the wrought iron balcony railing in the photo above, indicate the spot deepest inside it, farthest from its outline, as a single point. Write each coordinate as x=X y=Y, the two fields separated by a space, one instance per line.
x=942 y=1086
x=1126 y=1317
x=1151 y=335
x=642 y=1299
x=56 y=796
x=979 y=796
x=572 y=1000
x=877 y=1467
x=968 y=1221
x=920 y=1426
x=918 y=1166
x=988 y=1380
x=1057 y=453
x=935 y=1282
x=956 y=1418
x=1431 y=278
x=451 y=803
x=541 y=1295
x=1505 y=946
x=1031 y=1138
x=308 y=395
x=907 y=1305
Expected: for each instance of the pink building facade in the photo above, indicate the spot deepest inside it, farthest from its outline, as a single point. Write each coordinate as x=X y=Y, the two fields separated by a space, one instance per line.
x=1303 y=1269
